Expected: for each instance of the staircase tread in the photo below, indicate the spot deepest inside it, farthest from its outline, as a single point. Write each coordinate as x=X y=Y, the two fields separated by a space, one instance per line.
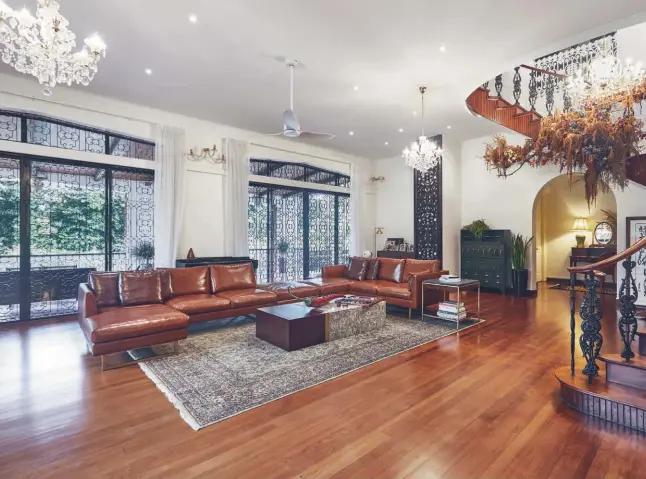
x=638 y=362
x=602 y=388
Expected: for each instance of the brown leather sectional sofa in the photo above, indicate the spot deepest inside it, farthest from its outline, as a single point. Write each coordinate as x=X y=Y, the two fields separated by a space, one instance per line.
x=129 y=310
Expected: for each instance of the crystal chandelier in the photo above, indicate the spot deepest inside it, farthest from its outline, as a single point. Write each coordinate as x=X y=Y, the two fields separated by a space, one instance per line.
x=42 y=46
x=422 y=154
x=603 y=77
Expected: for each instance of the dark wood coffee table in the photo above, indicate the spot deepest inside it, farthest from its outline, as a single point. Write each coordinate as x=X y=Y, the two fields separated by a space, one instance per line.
x=290 y=326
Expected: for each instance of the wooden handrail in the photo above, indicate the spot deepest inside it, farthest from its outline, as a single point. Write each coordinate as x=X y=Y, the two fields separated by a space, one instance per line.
x=613 y=260
x=545 y=72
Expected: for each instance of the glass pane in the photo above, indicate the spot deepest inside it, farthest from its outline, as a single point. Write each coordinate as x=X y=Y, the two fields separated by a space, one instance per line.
x=258 y=212
x=133 y=209
x=321 y=232
x=9 y=239
x=67 y=209
x=286 y=235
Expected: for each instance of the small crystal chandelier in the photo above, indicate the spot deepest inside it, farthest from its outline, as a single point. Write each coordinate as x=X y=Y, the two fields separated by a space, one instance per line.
x=42 y=46
x=422 y=154
x=605 y=76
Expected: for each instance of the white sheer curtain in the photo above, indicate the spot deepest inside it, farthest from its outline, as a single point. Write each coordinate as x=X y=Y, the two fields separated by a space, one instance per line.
x=357 y=210
x=236 y=197
x=170 y=168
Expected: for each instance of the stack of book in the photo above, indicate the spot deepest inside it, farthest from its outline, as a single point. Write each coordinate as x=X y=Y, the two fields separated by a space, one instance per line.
x=451 y=310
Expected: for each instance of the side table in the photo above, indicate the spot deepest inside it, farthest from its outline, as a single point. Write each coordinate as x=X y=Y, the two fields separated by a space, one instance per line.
x=462 y=285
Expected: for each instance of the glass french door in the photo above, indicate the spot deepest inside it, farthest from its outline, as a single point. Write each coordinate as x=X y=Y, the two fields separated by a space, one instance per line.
x=294 y=232
x=61 y=220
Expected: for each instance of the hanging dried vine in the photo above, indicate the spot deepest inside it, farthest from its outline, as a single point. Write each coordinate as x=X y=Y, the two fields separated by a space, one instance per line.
x=596 y=141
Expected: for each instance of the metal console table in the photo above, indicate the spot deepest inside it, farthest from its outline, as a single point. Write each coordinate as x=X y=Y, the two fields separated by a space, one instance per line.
x=457 y=287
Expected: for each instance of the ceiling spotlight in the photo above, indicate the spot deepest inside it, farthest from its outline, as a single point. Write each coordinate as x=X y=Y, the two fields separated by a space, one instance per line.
x=442 y=48
x=414 y=113
x=386 y=143
x=192 y=18
x=148 y=71
x=351 y=133
x=355 y=88
x=401 y=130
x=448 y=127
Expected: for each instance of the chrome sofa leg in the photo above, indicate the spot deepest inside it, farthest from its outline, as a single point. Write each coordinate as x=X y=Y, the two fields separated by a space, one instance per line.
x=123 y=359
x=410 y=313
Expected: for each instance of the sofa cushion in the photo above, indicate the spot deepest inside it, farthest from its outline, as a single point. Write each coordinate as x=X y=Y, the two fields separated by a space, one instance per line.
x=198 y=303
x=358 y=268
x=391 y=269
x=189 y=280
x=140 y=287
x=394 y=291
x=301 y=290
x=132 y=322
x=373 y=269
x=105 y=287
x=242 y=298
x=414 y=266
x=330 y=285
x=164 y=275
x=226 y=277
x=364 y=287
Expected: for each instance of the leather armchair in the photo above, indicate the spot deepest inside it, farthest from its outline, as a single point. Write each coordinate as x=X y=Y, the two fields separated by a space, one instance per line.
x=415 y=286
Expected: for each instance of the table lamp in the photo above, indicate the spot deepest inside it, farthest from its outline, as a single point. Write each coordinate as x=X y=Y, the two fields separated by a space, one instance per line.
x=379 y=230
x=580 y=226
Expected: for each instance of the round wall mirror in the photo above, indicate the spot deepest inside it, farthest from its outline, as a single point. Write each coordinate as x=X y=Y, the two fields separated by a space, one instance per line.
x=603 y=233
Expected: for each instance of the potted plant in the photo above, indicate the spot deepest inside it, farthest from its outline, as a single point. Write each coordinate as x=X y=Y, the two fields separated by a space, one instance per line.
x=145 y=251
x=519 y=273
x=477 y=228
x=283 y=247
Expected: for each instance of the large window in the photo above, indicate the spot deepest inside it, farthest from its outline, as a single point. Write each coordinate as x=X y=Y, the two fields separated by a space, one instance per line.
x=59 y=221
x=294 y=232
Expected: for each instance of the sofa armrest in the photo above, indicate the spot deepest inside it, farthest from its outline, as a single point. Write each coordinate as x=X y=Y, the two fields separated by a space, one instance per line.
x=415 y=287
x=87 y=302
x=337 y=271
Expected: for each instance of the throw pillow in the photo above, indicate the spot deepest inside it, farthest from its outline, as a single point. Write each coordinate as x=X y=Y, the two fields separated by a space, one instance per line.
x=140 y=287
x=105 y=287
x=358 y=268
x=373 y=269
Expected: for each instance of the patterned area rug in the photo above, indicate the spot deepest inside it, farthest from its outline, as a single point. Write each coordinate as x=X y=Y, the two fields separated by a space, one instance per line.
x=221 y=373
x=579 y=288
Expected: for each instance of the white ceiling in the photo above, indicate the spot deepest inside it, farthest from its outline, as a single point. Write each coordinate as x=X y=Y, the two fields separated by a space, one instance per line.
x=224 y=67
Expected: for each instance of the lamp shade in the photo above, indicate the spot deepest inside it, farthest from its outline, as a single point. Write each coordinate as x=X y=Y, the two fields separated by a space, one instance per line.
x=379 y=230
x=580 y=224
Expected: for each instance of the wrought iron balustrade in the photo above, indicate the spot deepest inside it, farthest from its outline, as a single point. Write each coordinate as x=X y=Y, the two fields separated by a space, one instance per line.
x=590 y=311
x=40 y=130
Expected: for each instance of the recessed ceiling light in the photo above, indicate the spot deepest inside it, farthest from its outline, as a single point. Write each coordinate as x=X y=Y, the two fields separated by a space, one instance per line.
x=192 y=18
x=355 y=88
x=351 y=133
x=148 y=71
x=442 y=48
x=386 y=143
x=401 y=130
x=448 y=127
x=414 y=113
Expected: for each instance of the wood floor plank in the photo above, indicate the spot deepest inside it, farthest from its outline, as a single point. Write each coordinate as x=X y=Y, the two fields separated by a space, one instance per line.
x=480 y=404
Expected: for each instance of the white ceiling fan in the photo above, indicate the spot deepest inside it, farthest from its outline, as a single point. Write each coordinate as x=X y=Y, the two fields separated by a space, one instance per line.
x=291 y=126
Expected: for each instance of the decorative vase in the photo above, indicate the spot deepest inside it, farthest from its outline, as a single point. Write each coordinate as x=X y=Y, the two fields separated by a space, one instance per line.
x=519 y=279
x=580 y=241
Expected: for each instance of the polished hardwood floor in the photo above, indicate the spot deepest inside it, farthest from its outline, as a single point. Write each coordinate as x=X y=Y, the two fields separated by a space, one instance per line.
x=480 y=404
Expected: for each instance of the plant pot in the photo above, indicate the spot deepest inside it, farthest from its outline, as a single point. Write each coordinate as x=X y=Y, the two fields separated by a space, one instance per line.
x=282 y=265
x=519 y=279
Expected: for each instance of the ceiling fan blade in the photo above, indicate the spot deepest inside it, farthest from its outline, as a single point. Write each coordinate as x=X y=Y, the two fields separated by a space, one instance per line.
x=313 y=135
x=290 y=121
x=280 y=133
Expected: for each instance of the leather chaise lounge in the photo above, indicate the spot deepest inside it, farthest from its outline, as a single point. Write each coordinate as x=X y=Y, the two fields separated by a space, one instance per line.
x=122 y=311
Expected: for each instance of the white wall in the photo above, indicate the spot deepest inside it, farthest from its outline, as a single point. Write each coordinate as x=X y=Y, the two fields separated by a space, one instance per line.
x=395 y=208
x=203 y=218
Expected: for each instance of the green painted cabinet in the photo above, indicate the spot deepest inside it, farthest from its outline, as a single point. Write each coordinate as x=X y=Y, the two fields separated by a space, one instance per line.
x=487 y=259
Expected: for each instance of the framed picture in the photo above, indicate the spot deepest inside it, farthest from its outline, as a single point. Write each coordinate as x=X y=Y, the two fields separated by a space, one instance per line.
x=636 y=230
x=389 y=245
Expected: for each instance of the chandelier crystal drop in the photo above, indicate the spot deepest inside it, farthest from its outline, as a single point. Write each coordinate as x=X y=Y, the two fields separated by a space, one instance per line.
x=422 y=154
x=42 y=46
x=605 y=76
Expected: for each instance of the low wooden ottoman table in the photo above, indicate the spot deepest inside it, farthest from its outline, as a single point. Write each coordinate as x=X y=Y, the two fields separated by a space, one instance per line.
x=295 y=326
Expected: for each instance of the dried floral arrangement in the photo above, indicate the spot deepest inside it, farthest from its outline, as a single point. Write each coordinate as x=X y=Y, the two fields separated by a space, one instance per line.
x=597 y=141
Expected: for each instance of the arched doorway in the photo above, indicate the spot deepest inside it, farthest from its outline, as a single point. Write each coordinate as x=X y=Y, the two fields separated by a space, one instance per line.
x=556 y=206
